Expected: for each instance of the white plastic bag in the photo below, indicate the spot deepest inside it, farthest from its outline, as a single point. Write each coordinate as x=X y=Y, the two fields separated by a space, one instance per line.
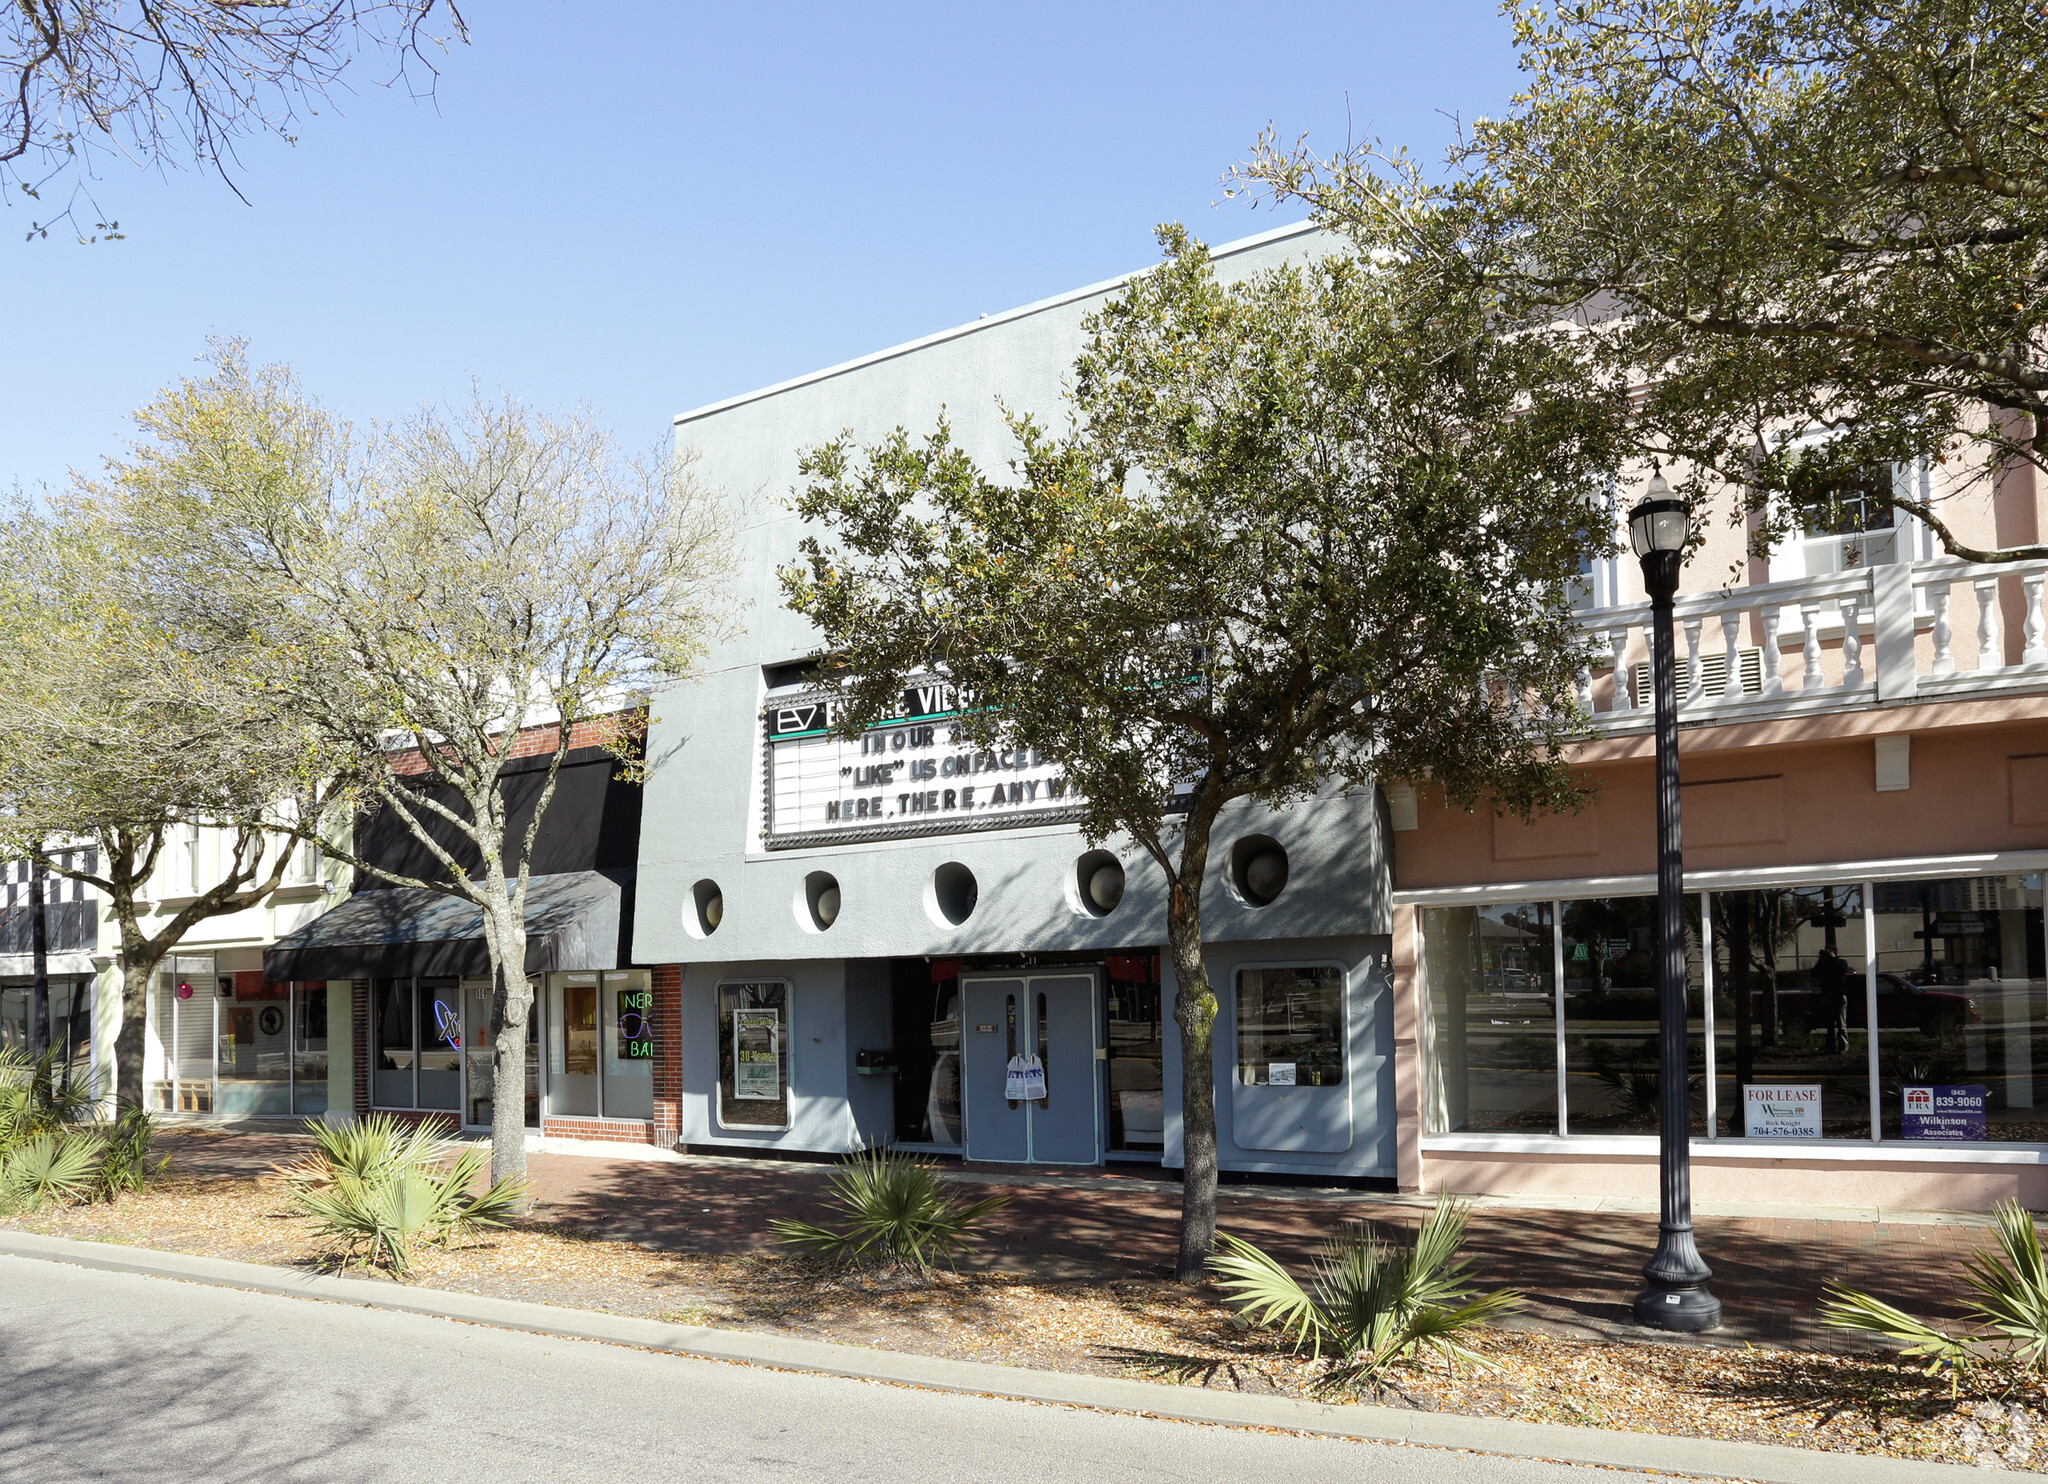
x=1025 y=1081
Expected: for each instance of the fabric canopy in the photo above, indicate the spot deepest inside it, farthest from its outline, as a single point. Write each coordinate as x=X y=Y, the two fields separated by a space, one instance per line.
x=572 y=922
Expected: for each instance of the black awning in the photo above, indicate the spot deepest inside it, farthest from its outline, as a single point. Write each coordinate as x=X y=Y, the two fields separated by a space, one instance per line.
x=573 y=921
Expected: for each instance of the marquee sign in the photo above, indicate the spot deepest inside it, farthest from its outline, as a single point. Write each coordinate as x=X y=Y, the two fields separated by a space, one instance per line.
x=912 y=775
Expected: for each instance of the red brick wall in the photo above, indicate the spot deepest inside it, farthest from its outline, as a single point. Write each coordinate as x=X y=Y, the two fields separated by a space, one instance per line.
x=668 y=1054
x=607 y=1130
x=359 y=1037
x=593 y=731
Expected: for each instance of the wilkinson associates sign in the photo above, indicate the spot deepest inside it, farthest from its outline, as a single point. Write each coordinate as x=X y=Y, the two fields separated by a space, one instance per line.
x=909 y=776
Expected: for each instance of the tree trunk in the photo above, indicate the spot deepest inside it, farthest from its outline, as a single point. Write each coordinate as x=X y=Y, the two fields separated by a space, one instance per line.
x=138 y=972
x=1194 y=1010
x=511 y=1007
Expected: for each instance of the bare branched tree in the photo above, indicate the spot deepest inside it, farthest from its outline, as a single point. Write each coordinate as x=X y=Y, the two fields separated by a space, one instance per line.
x=423 y=601
x=168 y=82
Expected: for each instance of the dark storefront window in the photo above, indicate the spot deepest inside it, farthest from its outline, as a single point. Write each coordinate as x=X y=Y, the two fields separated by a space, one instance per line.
x=417 y=1027
x=1137 y=1096
x=1290 y=1026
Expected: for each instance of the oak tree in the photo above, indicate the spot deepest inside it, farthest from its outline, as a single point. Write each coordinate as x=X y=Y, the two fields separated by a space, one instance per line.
x=1812 y=233
x=1306 y=531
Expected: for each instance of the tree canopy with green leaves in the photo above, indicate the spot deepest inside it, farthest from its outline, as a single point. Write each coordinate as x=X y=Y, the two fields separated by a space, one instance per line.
x=1307 y=530
x=1812 y=234
x=117 y=728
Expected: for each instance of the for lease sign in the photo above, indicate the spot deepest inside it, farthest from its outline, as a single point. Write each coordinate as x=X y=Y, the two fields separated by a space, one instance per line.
x=1781 y=1111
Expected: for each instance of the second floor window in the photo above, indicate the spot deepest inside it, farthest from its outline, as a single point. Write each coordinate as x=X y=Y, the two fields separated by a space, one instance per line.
x=1855 y=527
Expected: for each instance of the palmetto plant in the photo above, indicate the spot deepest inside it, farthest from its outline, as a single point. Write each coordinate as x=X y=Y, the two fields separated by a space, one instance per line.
x=49 y=1167
x=378 y=1192
x=53 y=1144
x=2010 y=1310
x=898 y=1213
x=366 y=1148
x=1372 y=1301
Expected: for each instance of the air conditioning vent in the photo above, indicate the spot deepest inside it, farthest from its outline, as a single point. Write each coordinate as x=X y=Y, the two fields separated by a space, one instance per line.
x=1749 y=673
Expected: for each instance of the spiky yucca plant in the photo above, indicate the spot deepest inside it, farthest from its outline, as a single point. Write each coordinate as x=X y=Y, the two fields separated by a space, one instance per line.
x=2010 y=1310
x=1371 y=1301
x=898 y=1212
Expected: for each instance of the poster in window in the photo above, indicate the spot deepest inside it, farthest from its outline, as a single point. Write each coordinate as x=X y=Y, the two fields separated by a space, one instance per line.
x=756 y=1055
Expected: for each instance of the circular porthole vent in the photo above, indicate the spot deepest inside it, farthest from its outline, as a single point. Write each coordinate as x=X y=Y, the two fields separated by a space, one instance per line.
x=950 y=897
x=1258 y=869
x=705 y=910
x=1098 y=882
x=817 y=905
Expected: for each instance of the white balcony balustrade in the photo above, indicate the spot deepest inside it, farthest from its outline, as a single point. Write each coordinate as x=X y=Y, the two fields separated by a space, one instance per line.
x=1881 y=635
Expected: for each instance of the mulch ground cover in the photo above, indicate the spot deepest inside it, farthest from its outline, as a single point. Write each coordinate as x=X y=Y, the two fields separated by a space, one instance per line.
x=1140 y=1326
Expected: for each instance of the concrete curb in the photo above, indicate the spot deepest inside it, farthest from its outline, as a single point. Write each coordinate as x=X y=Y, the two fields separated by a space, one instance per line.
x=1692 y=1457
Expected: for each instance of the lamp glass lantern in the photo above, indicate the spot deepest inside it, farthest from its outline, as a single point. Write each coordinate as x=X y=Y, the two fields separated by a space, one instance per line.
x=1660 y=522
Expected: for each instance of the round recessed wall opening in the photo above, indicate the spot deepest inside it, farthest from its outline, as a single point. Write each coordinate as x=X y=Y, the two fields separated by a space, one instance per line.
x=951 y=896
x=1258 y=869
x=817 y=905
x=1098 y=882
x=705 y=909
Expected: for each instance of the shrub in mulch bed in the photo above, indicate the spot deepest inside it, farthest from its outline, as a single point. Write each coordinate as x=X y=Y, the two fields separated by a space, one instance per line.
x=1861 y=1403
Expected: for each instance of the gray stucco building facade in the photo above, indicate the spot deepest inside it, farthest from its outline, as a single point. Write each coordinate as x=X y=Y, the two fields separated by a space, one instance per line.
x=845 y=976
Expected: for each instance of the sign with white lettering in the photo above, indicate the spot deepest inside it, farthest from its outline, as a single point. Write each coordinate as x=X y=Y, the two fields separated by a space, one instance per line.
x=913 y=776
x=1949 y=1115
x=1781 y=1112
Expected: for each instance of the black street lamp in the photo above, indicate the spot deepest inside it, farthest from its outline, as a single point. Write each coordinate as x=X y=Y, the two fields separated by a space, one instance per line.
x=1677 y=1297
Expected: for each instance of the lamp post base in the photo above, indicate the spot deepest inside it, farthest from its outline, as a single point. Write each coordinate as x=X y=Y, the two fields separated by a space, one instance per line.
x=1687 y=1311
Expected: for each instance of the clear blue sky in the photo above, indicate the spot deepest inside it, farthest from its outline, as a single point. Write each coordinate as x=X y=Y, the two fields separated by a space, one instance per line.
x=649 y=206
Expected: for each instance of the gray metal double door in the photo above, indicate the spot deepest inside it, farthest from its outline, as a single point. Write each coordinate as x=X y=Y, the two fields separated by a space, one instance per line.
x=1053 y=1016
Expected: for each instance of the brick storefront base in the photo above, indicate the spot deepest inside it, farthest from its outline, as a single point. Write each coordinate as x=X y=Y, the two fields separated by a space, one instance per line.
x=609 y=1130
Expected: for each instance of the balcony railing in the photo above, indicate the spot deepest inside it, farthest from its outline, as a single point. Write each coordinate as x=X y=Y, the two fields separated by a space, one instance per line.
x=1884 y=635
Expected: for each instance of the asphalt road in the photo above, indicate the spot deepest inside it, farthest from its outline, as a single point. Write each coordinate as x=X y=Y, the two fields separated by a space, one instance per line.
x=113 y=1377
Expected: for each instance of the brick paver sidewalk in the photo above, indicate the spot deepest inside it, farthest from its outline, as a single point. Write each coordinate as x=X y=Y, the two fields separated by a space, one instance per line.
x=1580 y=1267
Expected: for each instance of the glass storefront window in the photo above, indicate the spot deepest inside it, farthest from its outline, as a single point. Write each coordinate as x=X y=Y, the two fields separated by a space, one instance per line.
x=572 y=1045
x=1962 y=999
x=253 y=1071
x=391 y=1021
x=1789 y=1004
x=479 y=1067
x=753 y=1055
x=628 y=1002
x=1492 y=977
x=309 y=1049
x=1612 y=1085
x=1290 y=1026
x=417 y=1062
x=1137 y=1095
x=1960 y=978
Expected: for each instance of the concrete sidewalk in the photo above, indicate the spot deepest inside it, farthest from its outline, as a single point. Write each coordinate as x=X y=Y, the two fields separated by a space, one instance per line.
x=1578 y=1264
x=1685 y=1457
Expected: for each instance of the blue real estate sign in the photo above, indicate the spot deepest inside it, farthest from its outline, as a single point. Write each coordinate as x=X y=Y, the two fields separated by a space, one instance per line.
x=1948 y=1114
